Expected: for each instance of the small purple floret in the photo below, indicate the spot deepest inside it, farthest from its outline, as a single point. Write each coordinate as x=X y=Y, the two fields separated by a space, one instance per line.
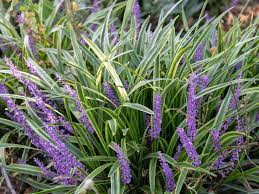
x=136 y=13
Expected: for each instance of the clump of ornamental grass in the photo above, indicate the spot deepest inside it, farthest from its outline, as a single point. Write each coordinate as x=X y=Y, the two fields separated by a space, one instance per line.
x=106 y=102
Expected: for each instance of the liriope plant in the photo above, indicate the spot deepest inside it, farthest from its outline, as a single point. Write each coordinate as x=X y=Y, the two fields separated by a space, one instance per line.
x=107 y=105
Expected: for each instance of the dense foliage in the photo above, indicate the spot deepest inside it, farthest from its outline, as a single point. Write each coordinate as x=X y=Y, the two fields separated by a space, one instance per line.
x=93 y=99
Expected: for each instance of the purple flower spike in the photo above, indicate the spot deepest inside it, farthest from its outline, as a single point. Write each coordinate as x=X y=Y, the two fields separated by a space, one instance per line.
x=215 y=39
x=190 y=149
x=49 y=174
x=63 y=161
x=20 y=18
x=225 y=125
x=83 y=42
x=125 y=168
x=216 y=139
x=234 y=3
x=83 y=116
x=235 y=98
x=182 y=61
x=95 y=8
x=18 y=116
x=238 y=65
x=239 y=127
x=234 y=158
x=157 y=118
x=199 y=53
x=257 y=117
x=109 y=92
x=31 y=43
x=207 y=17
x=203 y=81
x=114 y=34
x=65 y=124
x=192 y=108
x=126 y=84
x=170 y=183
x=147 y=120
x=219 y=163
x=34 y=90
x=136 y=13
x=31 y=68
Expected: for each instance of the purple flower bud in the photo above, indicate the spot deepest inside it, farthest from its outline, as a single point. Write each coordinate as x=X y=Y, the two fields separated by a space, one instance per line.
x=225 y=125
x=207 y=17
x=234 y=3
x=136 y=13
x=31 y=43
x=157 y=118
x=234 y=158
x=170 y=183
x=216 y=139
x=238 y=65
x=20 y=18
x=182 y=61
x=239 y=127
x=21 y=161
x=219 y=163
x=83 y=42
x=114 y=34
x=125 y=168
x=148 y=128
x=237 y=92
x=192 y=108
x=13 y=69
x=190 y=149
x=178 y=152
x=193 y=103
x=257 y=117
x=109 y=92
x=126 y=84
x=65 y=124
x=215 y=39
x=147 y=120
x=199 y=53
